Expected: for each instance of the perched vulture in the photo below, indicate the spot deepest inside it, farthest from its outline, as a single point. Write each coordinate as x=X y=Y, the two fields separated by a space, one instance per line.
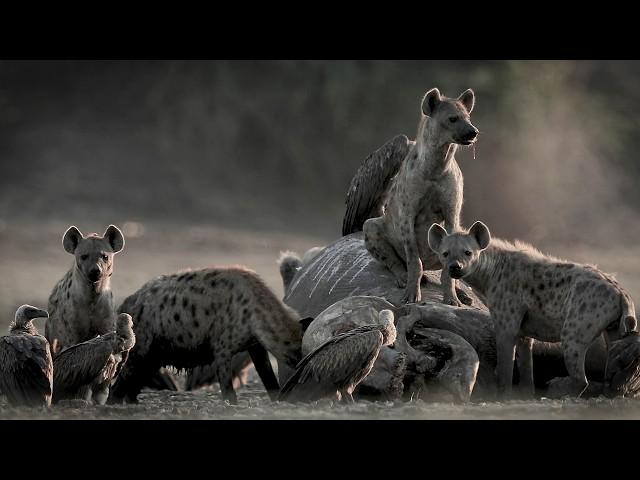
x=336 y=367
x=26 y=368
x=86 y=370
x=622 y=375
x=370 y=186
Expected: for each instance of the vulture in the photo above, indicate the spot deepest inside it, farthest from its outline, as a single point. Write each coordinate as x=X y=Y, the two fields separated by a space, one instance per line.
x=336 y=367
x=87 y=369
x=369 y=188
x=26 y=368
x=622 y=374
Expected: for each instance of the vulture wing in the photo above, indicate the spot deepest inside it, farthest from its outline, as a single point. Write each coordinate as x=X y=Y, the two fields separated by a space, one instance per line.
x=79 y=365
x=26 y=371
x=344 y=359
x=370 y=185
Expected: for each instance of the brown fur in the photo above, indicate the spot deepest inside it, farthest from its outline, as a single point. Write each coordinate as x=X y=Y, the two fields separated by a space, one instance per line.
x=533 y=295
x=427 y=189
x=200 y=317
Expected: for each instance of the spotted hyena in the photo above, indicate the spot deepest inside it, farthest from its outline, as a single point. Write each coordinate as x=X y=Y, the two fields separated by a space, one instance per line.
x=81 y=304
x=202 y=317
x=533 y=295
x=427 y=189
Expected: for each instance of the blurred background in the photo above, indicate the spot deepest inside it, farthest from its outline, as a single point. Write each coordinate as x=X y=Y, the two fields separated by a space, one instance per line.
x=222 y=162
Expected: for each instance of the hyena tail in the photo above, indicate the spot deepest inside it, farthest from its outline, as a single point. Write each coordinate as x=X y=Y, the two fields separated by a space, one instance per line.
x=281 y=334
x=628 y=319
x=289 y=263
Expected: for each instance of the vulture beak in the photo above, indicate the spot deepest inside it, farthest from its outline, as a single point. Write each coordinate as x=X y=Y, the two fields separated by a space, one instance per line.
x=36 y=313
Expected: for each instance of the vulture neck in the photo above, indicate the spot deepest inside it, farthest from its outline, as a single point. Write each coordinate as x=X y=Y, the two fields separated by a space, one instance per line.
x=18 y=328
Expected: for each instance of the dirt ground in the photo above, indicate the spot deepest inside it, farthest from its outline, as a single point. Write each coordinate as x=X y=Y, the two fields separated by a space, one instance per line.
x=32 y=260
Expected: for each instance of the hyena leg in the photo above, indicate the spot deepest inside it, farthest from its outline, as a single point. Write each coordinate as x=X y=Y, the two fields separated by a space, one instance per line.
x=574 y=356
x=449 y=295
x=524 y=347
x=225 y=380
x=381 y=249
x=260 y=359
x=133 y=377
x=414 y=270
x=505 y=349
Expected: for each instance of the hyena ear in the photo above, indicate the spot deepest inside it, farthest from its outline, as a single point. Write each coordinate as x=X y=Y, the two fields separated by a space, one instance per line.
x=435 y=236
x=71 y=239
x=115 y=238
x=430 y=101
x=481 y=233
x=305 y=322
x=468 y=99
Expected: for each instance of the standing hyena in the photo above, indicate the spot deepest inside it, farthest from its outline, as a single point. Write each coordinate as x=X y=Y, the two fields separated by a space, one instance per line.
x=203 y=317
x=427 y=189
x=81 y=304
x=536 y=296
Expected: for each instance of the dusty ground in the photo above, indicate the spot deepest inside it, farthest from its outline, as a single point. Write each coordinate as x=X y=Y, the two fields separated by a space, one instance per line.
x=32 y=260
x=253 y=403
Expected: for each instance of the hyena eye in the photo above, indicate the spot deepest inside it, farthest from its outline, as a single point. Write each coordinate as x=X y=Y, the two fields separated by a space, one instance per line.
x=445 y=254
x=453 y=119
x=84 y=257
x=467 y=253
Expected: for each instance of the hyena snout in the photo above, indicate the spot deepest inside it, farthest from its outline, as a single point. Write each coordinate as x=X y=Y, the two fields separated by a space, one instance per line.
x=455 y=269
x=469 y=135
x=94 y=273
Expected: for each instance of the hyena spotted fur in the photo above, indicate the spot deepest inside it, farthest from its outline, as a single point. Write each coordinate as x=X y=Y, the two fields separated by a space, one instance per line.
x=202 y=317
x=81 y=304
x=427 y=189
x=535 y=296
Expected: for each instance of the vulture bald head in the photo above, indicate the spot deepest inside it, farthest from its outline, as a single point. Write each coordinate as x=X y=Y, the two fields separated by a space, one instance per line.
x=24 y=317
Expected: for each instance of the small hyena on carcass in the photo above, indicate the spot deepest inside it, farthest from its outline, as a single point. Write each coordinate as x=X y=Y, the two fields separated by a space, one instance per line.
x=81 y=304
x=536 y=296
x=427 y=189
x=203 y=317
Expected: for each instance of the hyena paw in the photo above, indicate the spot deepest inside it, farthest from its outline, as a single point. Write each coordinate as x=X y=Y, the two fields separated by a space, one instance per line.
x=412 y=296
x=453 y=301
x=463 y=297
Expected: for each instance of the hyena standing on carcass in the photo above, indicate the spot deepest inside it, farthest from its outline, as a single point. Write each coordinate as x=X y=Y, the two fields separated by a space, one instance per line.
x=203 y=317
x=535 y=296
x=81 y=304
x=427 y=189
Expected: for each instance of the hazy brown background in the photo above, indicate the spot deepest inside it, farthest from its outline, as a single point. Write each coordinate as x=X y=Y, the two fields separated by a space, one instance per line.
x=231 y=161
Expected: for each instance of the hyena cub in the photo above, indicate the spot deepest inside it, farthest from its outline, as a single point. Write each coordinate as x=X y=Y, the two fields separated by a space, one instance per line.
x=536 y=296
x=81 y=304
x=427 y=189
x=202 y=317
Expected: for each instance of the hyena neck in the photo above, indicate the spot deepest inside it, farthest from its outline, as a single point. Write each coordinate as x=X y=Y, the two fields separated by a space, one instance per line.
x=485 y=269
x=435 y=155
x=84 y=289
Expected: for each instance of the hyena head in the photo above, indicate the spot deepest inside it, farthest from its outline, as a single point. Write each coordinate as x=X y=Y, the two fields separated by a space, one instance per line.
x=459 y=251
x=93 y=253
x=449 y=118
